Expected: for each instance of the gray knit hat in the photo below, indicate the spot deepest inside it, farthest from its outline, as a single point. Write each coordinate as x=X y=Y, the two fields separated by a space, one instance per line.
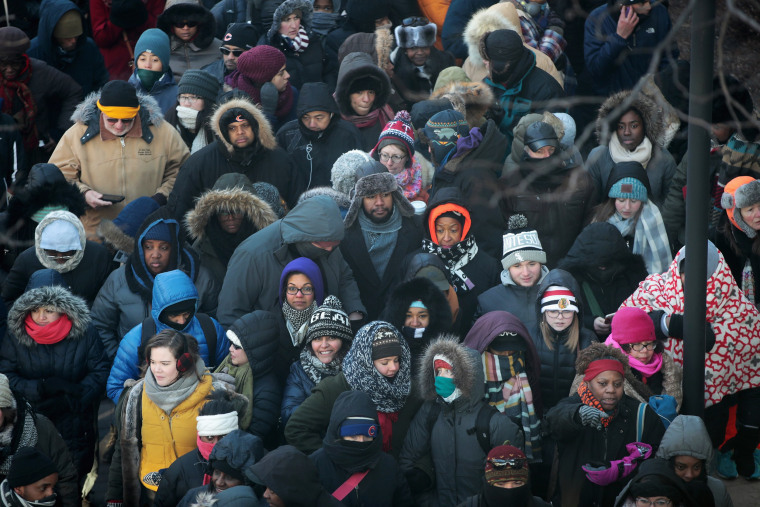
x=13 y=42
x=6 y=396
x=343 y=173
x=200 y=83
x=521 y=244
x=373 y=184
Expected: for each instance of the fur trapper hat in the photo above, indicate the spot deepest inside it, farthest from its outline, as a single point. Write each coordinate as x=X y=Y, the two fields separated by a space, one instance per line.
x=287 y=8
x=740 y=193
x=373 y=184
x=415 y=36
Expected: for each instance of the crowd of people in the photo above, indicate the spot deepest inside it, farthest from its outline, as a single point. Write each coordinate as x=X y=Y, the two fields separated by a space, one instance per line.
x=351 y=252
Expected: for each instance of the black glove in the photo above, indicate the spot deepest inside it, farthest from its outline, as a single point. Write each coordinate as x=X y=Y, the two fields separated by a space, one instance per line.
x=159 y=198
x=675 y=328
x=554 y=22
x=357 y=324
x=419 y=481
x=591 y=417
x=269 y=96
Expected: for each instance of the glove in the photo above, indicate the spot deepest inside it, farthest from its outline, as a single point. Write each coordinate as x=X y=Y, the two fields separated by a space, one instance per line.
x=675 y=328
x=604 y=474
x=159 y=198
x=591 y=417
x=356 y=325
x=419 y=482
x=269 y=96
x=52 y=385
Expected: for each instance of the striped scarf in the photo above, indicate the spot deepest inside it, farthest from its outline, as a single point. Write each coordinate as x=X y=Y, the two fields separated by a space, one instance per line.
x=301 y=42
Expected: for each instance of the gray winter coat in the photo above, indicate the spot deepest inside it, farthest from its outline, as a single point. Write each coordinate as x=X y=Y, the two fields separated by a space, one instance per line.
x=687 y=436
x=457 y=456
x=252 y=281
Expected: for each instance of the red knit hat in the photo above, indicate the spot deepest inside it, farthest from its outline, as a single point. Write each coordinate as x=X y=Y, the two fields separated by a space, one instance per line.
x=261 y=64
x=632 y=325
x=506 y=463
x=397 y=131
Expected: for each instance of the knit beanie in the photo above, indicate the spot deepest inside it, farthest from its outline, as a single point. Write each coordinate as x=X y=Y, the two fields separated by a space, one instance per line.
x=628 y=188
x=506 y=463
x=740 y=193
x=13 y=42
x=223 y=466
x=385 y=343
x=154 y=41
x=398 y=131
x=655 y=485
x=269 y=194
x=128 y=14
x=557 y=297
x=443 y=130
x=261 y=64
x=415 y=36
x=521 y=244
x=234 y=115
x=134 y=214
x=6 y=396
x=160 y=231
x=29 y=466
x=69 y=25
x=242 y=35
x=329 y=319
x=118 y=94
x=508 y=341
x=200 y=83
x=632 y=325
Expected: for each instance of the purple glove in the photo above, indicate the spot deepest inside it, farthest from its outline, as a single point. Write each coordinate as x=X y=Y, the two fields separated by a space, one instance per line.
x=605 y=475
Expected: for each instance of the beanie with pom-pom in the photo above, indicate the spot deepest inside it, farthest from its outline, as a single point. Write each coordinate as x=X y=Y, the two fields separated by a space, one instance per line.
x=398 y=131
x=329 y=319
x=521 y=244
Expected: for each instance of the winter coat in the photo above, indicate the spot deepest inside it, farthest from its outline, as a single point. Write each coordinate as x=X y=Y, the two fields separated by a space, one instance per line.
x=44 y=186
x=692 y=494
x=83 y=276
x=144 y=165
x=268 y=162
x=615 y=63
x=114 y=46
x=687 y=436
x=200 y=223
x=450 y=436
x=184 y=474
x=229 y=11
x=455 y=22
x=558 y=365
x=164 y=90
x=78 y=359
x=314 y=153
x=480 y=501
x=202 y=49
x=508 y=296
x=126 y=297
x=579 y=445
x=310 y=65
x=169 y=289
x=255 y=285
x=384 y=483
x=374 y=290
x=475 y=172
x=12 y=152
x=84 y=64
x=298 y=387
x=409 y=81
x=600 y=244
x=217 y=68
x=46 y=439
x=359 y=17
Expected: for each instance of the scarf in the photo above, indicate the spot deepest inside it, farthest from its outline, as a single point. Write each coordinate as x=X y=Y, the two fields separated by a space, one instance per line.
x=642 y=154
x=353 y=456
x=382 y=114
x=16 y=92
x=188 y=117
x=296 y=321
x=649 y=237
x=300 y=43
x=8 y=497
x=588 y=398
x=243 y=385
x=168 y=397
x=508 y=389
x=646 y=370
x=315 y=369
x=455 y=258
x=386 y=420
x=380 y=238
x=284 y=99
x=12 y=438
x=324 y=22
x=410 y=180
x=49 y=334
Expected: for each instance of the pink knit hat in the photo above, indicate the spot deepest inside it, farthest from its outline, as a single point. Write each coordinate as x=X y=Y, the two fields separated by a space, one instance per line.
x=632 y=325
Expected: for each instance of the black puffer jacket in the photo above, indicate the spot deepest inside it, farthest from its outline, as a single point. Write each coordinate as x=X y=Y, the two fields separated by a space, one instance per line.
x=600 y=244
x=314 y=153
x=65 y=380
x=558 y=365
x=183 y=475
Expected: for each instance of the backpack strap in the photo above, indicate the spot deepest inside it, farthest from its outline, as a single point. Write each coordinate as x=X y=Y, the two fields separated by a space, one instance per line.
x=640 y=416
x=432 y=415
x=482 y=427
x=591 y=300
x=147 y=332
x=345 y=488
x=209 y=331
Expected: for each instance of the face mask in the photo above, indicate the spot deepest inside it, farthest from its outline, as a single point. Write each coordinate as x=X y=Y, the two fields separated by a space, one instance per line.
x=310 y=251
x=444 y=386
x=352 y=444
x=187 y=116
x=204 y=448
x=412 y=332
x=48 y=501
x=149 y=77
x=535 y=9
x=502 y=496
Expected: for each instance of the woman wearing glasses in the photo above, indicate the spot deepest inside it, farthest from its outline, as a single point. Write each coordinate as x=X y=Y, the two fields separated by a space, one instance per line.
x=152 y=75
x=190 y=26
x=196 y=98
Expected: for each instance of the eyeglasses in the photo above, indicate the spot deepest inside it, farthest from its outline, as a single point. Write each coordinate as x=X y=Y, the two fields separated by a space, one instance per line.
x=59 y=256
x=235 y=52
x=507 y=463
x=306 y=290
x=645 y=502
x=396 y=158
x=190 y=99
x=638 y=347
x=124 y=121
x=183 y=24
x=559 y=313
x=415 y=21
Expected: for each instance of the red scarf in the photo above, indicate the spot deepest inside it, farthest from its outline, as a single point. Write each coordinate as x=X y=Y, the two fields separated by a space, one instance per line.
x=588 y=398
x=17 y=91
x=50 y=334
x=386 y=427
x=381 y=114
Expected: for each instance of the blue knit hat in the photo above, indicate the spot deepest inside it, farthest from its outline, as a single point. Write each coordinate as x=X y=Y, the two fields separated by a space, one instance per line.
x=134 y=214
x=154 y=41
x=160 y=231
x=443 y=130
x=628 y=188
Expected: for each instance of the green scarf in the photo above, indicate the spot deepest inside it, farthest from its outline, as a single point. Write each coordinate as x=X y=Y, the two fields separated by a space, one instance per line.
x=243 y=385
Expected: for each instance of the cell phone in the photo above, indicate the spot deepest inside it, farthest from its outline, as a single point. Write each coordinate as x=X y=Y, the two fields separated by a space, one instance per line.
x=608 y=317
x=112 y=198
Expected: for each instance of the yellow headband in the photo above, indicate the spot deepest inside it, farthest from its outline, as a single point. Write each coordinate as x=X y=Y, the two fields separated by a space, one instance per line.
x=119 y=112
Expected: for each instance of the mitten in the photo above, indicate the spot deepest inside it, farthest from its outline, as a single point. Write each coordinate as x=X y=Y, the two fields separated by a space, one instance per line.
x=637 y=452
x=269 y=96
x=604 y=475
x=591 y=416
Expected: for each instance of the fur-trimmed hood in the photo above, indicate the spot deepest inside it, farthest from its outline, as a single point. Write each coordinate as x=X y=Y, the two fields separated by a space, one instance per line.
x=285 y=9
x=87 y=112
x=263 y=130
x=75 y=259
x=655 y=127
x=488 y=20
x=56 y=297
x=472 y=99
x=468 y=373
x=374 y=184
x=234 y=200
x=419 y=289
x=191 y=10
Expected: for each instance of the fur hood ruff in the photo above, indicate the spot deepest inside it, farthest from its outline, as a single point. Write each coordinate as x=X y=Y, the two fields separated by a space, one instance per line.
x=50 y=297
x=468 y=373
x=472 y=99
x=659 y=124
x=236 y=200
x=263 y=132
x=490 y=19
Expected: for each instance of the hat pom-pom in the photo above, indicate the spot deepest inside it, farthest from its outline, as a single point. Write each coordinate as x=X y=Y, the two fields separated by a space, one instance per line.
x=403 y=115
x=332 y=302
x=517 y=222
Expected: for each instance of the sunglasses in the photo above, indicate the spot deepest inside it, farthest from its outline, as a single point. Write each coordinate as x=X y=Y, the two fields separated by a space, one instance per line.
x=114 y=121
x=415 y=21
x=183 y=24
x=235 y=52
x=507 y=463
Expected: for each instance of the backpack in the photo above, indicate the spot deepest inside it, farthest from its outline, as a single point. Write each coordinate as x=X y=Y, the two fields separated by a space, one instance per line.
x=482 y=428
x=207 y=326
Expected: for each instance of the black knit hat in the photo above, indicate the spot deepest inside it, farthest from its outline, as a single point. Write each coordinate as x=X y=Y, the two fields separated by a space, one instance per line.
x=200 y=83
x=236 y=114
x=128 y=14
x=29 y=466
x=385 y=343
x=330 y=320
x=242 y=35
x=13 y=42
x=118 y=94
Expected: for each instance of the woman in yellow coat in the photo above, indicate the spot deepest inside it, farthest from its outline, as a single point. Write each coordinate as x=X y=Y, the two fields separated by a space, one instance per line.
x=156 y=417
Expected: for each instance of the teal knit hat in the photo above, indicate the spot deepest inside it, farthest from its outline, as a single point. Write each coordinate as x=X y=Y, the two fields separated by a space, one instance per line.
x=628 y=188
x=157 y=42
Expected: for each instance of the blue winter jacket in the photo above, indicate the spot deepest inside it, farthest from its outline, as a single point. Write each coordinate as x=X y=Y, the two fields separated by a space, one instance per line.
x=168 y=288
x=164 y=90
x=297 y=388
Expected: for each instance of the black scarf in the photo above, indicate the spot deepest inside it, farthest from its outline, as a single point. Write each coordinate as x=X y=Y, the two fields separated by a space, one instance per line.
x=224 y=243
x=354 y=456
x=455 y=258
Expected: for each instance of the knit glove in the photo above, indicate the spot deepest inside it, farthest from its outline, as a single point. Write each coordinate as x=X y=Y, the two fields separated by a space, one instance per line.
x=606 y=474
x=269 y=96
x=675 y=330
x=591 y=417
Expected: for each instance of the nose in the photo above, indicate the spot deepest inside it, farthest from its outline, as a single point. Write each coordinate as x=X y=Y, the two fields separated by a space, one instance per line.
x=181 y=320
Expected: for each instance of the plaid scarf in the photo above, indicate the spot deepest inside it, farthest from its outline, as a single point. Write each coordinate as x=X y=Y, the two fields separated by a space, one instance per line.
x=588 y=398
x=16 y=92
x=455 y=258
x=649 y=237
